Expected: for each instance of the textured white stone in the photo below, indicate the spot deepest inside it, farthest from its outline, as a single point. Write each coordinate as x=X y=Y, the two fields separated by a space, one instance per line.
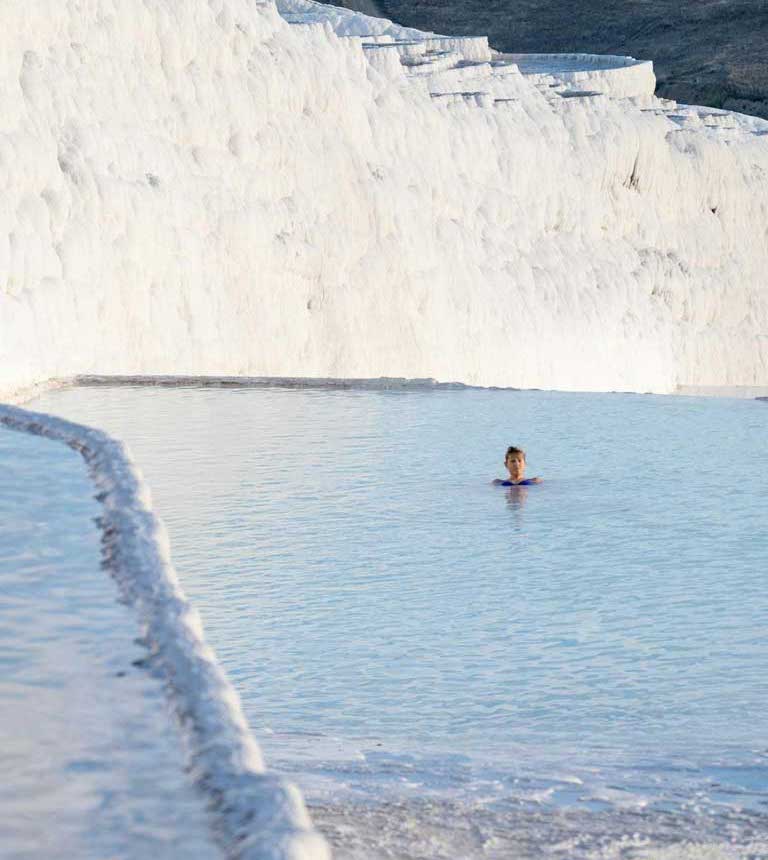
x=620 y=77
x=203 y=187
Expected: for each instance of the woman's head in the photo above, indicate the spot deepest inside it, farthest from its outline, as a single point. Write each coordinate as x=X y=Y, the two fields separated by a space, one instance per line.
x=515 y=463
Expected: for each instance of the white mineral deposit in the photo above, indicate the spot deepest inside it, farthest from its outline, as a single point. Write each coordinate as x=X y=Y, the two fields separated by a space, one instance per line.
x=236 y=187
x=255 y=189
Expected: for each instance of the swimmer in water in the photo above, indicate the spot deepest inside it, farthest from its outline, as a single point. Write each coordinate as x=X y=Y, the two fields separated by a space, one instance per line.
x=515 y=463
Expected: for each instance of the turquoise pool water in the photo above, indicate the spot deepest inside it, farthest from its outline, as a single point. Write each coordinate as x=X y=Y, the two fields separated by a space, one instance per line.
x=399 y=630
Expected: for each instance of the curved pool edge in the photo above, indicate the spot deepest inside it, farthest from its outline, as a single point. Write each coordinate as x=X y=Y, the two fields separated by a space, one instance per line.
x=257 y=815
x=18 y=395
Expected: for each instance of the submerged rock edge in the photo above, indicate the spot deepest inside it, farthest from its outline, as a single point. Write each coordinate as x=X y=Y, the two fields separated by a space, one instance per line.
x=257 y=815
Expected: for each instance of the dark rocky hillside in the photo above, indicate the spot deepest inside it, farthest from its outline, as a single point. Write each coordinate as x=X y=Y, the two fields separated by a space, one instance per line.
x=712 y=52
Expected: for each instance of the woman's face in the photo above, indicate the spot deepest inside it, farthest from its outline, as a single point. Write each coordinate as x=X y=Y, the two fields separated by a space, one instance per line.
x=515 y=464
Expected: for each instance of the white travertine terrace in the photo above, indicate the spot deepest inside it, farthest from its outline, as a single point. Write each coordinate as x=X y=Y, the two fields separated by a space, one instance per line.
x=238 y=187
x=619 y=77
x=257 y=815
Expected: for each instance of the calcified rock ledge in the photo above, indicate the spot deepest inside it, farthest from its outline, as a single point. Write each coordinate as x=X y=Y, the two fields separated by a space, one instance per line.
x=262 y=382
x=385 y=383
x=237 y=188
x=92 y=764
x=257 y=816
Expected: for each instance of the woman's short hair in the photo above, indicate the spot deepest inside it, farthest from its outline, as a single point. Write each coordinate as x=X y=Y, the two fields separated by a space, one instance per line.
x=513 y=450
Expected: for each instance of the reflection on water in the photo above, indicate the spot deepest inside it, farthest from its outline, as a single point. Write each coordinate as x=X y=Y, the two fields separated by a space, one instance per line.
x=393 y=642
x=516 y=498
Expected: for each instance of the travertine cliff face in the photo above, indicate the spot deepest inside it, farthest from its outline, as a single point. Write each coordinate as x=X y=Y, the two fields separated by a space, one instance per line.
x=233 y=188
